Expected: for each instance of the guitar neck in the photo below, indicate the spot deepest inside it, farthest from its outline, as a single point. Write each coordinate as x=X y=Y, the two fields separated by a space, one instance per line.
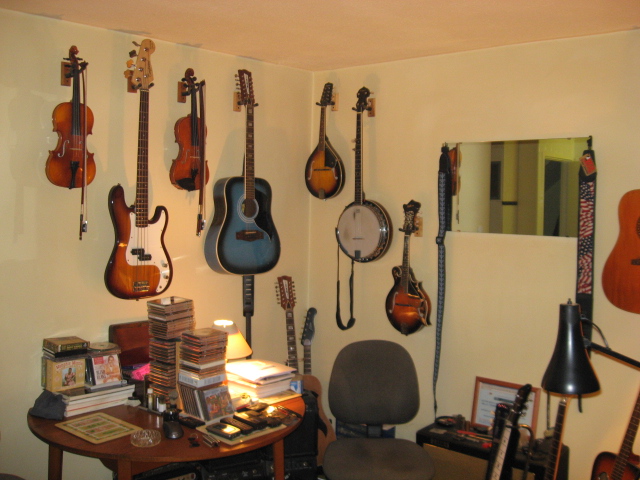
x=292 y=349
x=249 y=160
x=323 y=129
x=405 y=264
x=551 y=469
x=142 y=181
x=359 y=195
x=620 y=463
x=307 y=358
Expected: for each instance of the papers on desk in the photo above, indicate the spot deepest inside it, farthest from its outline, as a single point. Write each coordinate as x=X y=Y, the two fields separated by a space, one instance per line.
x=260 y=371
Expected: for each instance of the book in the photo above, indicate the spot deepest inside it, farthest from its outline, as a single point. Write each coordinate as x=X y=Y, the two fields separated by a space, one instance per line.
x=63 y=344
x=259 y=370
x=66 y=353
x=70 y=412
x=82 y=395
x=62 y=375
x=215 y=402
x=259 y=391
x=195 y=380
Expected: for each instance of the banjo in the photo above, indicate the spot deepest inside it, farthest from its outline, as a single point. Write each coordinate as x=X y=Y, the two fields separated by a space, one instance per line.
x=363 y=230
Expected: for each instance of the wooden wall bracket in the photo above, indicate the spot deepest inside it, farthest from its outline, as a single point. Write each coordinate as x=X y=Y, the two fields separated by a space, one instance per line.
x=182 y=90
x=237 y=103
x=64 y=69
x=371 y=107
x=335 y=102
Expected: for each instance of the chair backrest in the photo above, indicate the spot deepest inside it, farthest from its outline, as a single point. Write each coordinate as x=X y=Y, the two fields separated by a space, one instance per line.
x=374 y=382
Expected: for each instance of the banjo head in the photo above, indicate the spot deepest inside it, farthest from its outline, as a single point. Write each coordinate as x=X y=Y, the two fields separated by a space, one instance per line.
x=363 y=231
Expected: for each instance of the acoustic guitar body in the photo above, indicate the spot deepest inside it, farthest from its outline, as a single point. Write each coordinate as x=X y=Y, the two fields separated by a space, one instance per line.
x=139 y=265
x=237 y=243
x=324 y=172
x=621 y=273
x=363 y=231
x=408 y=311
x=604 y=469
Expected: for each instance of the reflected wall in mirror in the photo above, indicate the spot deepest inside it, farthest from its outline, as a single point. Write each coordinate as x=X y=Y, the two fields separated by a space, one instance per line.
x=526 y=187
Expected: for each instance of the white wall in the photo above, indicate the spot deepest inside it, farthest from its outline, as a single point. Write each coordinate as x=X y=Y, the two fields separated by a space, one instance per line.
x=503 y=291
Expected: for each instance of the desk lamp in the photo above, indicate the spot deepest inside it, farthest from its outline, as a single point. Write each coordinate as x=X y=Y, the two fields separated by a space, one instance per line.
x=569 y=372
x=237 y=346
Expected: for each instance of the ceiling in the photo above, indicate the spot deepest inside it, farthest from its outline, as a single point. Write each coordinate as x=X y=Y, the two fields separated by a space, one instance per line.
x=320 y=35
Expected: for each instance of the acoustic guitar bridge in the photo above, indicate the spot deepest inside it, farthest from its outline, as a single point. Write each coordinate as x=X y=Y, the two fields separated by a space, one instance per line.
x=249 y=235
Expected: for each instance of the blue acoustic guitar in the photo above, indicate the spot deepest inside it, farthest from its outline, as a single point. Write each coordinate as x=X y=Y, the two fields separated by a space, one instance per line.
x=243 y=239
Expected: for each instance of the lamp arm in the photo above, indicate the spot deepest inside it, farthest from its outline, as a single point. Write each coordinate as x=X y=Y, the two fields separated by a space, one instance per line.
x=607 y=351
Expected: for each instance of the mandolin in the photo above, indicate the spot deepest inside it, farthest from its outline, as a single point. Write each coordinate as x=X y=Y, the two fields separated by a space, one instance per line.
x=189 y=171
x=364 y=227
x=609 y=466
x=139 y=265
x=408 y=306
x=621 y=273
x=324 y=172
x=243 y=239
x=500 y=463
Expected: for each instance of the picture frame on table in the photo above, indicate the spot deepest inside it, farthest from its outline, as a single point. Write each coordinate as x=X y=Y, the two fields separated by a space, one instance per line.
x=489 y=392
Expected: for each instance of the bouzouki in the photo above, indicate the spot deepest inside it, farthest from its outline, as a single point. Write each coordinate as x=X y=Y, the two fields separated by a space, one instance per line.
x=609 y=466
x=500 y=464
x=621 y=273
x=139 y=265
x=285 y=292
x=324 y=172
x=243 y=239
x=408 y=306
x=364 y=227
x=326 y=434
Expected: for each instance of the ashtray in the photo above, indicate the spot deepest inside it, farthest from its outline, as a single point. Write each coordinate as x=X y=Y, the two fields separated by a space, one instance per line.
x=145 y=438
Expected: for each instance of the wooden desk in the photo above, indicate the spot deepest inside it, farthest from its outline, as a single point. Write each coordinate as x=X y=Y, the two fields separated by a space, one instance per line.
x=125 y=459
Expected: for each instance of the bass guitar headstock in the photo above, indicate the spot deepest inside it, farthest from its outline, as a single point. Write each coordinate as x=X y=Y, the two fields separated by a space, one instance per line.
x=327 y=93
x=363 y=100
x=411 y=210
x=309 y=329
x=140 y=77
x=245 y=85
x=285 y=292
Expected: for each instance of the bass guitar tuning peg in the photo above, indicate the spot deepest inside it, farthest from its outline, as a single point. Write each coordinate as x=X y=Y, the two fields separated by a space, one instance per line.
x=133 y=53
x=136 y=43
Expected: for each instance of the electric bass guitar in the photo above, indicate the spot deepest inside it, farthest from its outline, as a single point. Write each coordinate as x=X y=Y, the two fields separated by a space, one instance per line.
x=364 y=227
x=243 y=239
x=500 y=463
x=326 y=434
x=619 y=467
x=324 y=172
x=621 y=273
x=408 y=306
x=139 y=265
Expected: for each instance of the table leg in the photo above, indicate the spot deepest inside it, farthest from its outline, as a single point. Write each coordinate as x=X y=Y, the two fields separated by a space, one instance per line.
x=124 y=470
x=278 y=460
x=55 y=463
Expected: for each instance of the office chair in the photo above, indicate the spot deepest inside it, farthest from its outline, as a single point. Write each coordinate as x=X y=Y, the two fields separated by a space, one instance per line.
x=374 y=382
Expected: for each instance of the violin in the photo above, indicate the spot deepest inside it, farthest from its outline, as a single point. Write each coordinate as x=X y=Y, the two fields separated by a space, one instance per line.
x=70 y=165
x=186 y=168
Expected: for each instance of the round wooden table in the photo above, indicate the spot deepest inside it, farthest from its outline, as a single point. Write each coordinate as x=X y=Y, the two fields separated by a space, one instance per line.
x=121 y=456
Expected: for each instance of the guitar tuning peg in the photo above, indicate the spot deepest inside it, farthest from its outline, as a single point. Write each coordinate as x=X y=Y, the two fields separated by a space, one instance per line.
x=132 y=53
x=129 y=63
x=135 y=43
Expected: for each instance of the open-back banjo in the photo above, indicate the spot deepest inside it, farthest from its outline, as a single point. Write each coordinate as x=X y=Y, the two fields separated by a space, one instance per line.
x=364 y=228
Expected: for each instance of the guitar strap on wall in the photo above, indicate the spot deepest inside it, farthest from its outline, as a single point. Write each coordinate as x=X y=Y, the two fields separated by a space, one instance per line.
x=444 y=224
x=351 y=320
x=586 y=236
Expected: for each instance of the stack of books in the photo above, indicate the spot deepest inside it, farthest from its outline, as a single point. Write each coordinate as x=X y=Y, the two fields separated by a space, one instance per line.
x=259 y=378
x=63 y=363
x=168 y=318
x=84 y=401
x=202 y=373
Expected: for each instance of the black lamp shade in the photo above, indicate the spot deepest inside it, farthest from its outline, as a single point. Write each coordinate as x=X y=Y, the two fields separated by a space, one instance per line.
x=570 y=371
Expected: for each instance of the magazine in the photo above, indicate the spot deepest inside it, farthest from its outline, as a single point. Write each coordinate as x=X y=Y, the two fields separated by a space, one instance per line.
x=106 y=369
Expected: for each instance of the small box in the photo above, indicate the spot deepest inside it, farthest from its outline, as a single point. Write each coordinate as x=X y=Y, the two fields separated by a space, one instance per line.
x=58 y=376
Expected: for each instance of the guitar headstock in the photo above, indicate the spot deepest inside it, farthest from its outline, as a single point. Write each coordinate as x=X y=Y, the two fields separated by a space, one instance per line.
x=327 y=93
x=411 y=209
x=286 y=292
x=309 y=329
x=363 y=100
x=141 y=76
x=520 y=404
x=245 y=84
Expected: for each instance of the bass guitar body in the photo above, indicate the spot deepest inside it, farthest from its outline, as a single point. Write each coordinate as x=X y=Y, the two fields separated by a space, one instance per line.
x=621 y=273
x=604 y=468
x=363 y=231
x=239 y=243
x=408 y=311
x=139 y=265
x=324 y=172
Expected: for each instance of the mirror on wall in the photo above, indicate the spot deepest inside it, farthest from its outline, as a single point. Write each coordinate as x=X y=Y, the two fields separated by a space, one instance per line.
x=524 y=187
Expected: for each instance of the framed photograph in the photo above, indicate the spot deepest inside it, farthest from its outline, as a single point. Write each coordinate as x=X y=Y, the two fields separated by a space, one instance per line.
x=488 y=393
